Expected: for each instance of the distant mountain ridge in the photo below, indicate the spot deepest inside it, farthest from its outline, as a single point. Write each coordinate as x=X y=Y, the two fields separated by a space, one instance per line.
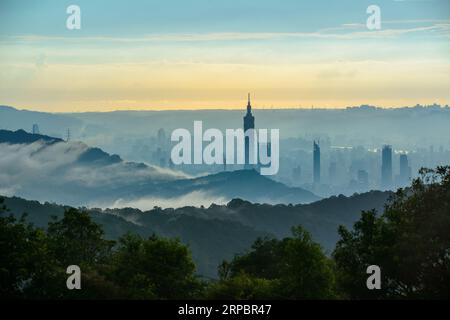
x=54 y=125
x=246 y=184
x=21 y=136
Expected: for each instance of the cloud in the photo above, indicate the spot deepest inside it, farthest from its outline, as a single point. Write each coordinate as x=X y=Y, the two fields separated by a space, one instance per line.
x=345 y=31
x=196 y=198
x=54 y=173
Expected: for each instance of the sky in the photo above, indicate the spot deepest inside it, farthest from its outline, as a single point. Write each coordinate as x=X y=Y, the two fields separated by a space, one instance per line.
x=203 y=54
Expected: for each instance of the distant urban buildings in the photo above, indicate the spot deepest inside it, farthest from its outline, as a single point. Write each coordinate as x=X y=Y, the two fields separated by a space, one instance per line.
x=161 y=155
x=341 y=164
x=35 y=129
x=405 y=170
x=297 y=174
x=386 y=167
x=316 y=162
x=363 y=180
x=161 y=137
x=332 y=173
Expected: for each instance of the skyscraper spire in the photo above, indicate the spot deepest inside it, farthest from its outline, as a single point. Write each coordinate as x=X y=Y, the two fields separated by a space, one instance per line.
x=249 y=123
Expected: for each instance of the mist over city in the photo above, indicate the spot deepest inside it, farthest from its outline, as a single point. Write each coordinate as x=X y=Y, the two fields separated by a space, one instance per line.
x=327 y=152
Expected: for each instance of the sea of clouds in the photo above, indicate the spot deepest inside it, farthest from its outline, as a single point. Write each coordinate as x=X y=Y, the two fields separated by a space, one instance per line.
x=44 y=172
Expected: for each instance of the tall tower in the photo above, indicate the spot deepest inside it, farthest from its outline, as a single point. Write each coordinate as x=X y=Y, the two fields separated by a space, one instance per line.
x=249 y=123
x=316 y=162
x=386 y=167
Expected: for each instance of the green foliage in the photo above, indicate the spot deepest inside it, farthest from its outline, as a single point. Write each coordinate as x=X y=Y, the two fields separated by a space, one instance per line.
x=410 y=242
x=229 y=229
x=76 y=239
x=155 y=268
x=33 y=262
x=27 y=268
x=264 y=260
x=292 y=268
x=243 y=287
x=308 y=272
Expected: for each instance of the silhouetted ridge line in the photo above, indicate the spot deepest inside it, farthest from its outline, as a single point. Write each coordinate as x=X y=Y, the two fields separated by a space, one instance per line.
x=21 y=136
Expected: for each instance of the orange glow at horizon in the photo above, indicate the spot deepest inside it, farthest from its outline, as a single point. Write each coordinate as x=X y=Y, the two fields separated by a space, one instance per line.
x=81 y=88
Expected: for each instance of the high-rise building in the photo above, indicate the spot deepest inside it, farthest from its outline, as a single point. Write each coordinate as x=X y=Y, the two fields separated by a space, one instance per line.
x=297 y=174
x=332 y=173
x=405 y=170
x=35 y=129
x=316 y=162
x=161 y=137
x=386 y=167
x=249 y=123
x=363 y=180
x=159 y=157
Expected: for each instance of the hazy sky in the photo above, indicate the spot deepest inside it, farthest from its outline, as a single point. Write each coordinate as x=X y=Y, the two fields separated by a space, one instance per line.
x=173 y=54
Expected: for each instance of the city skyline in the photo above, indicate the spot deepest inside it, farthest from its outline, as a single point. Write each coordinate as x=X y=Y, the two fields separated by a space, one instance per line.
x=360 y=169
x=150 y=55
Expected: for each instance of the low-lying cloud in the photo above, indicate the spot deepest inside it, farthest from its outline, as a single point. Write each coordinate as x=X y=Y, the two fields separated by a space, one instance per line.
x=195 y=198
x=53 y=172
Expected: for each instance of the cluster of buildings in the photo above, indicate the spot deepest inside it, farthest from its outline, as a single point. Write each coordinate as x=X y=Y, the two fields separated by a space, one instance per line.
x=358 y=178
x=325 y=169
x=387 y=180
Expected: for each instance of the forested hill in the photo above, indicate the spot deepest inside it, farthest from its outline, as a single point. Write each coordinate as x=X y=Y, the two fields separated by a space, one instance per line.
x=219 y=232
x=23 y=137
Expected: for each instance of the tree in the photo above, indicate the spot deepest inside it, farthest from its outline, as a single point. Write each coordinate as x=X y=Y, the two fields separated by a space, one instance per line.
x=243 y=287
x=264 y=260
x=410 y=242
x=155 y=268
x=76 y=239
x=308 y=273
x=26 y=267
x=291 y=268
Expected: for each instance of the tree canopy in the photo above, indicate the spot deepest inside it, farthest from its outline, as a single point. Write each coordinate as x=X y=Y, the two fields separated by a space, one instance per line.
x=410 y=242
x=291 y=268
